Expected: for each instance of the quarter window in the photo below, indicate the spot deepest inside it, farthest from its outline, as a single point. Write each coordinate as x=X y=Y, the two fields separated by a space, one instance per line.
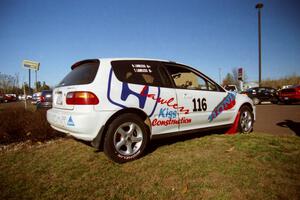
x=140 y=72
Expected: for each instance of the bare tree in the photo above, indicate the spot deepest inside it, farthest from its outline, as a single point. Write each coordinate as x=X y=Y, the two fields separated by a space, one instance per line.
x=228 y=80
x=9 y=83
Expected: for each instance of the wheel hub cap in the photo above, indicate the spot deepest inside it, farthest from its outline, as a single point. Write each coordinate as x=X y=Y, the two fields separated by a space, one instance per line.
x=128 y=138
x=246 y=121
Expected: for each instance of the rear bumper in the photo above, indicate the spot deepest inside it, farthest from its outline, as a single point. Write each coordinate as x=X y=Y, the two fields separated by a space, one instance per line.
x=83 y=126
x=294 y=98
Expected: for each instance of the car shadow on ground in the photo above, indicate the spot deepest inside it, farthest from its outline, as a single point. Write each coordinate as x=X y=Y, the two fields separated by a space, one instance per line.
x=294 y=126
x=156 y=143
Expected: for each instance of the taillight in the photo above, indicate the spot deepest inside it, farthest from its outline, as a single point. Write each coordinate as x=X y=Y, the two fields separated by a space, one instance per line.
x=81 y=98
x=298 y=90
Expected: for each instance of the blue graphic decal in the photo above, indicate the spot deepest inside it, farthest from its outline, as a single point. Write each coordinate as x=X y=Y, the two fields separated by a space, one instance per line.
x=126 y=91
x=227 y=103
x=70 y=122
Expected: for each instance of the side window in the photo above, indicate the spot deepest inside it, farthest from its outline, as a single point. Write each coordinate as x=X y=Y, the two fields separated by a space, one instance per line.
x=187 y=79
x=212 y=87
x=272 y=90
x=139 y=72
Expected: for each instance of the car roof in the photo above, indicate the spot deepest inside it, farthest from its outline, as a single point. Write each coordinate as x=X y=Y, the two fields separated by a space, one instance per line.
x=120 y=59
x=150 y=59
x=261 y=87
x=134 y=58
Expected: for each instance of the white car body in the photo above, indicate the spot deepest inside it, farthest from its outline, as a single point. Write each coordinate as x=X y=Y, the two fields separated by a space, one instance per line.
x=168 y=109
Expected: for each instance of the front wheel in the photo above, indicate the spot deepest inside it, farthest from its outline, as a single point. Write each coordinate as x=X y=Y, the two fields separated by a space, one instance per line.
x=246 y=120
x=126 y=139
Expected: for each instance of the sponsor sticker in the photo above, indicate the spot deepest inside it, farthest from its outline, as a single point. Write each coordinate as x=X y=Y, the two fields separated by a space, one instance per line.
x=70 y=122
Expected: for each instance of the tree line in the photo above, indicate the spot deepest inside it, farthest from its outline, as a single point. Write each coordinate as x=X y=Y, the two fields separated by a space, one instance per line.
x=278 y=83
x=10 y=84
x=232 y=79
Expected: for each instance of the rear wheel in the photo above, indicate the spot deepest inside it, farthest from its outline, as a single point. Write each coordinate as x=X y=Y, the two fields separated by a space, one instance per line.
x=246 y=120
x=126 y=139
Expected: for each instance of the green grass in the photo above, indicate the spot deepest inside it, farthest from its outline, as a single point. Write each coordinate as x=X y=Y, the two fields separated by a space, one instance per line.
x=254 y=166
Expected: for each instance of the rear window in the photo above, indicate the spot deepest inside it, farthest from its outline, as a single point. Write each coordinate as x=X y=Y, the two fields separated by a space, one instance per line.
x=46 y=92
x=141 y=72
x=83 y=72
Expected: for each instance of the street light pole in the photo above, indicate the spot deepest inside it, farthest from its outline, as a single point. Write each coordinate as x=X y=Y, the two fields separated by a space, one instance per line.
x=259 y=6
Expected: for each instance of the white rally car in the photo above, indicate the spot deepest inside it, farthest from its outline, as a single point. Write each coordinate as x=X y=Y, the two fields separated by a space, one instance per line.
x=121 y=104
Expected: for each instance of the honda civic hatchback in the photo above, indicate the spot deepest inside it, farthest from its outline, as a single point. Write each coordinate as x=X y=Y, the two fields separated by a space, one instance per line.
x=120 y=105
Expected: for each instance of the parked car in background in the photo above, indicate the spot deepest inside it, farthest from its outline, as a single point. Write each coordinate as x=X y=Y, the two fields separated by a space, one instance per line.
x=290 y=95
x=45 y=99
x=36 y=98
x=120 y=105
x=262 y=94
x=232 y=88
x=286 y=86
x=10 y=97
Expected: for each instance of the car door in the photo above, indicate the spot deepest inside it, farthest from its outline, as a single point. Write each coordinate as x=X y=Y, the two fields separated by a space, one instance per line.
x=263 y=94
x=145 y=85
x=201 y=102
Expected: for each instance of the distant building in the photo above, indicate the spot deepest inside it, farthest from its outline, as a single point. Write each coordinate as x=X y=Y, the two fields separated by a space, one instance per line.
x=250 y=85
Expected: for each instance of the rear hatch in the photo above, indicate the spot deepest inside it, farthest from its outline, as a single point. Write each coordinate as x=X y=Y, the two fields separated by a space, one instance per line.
x=82 y=74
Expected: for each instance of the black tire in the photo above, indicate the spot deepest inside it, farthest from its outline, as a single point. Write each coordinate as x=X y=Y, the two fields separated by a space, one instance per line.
x=275 y=102
x=126 y=139
x=246 y=120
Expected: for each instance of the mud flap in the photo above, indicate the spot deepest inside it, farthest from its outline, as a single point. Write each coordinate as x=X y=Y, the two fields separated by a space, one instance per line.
x=97 y=141
x=234 y=127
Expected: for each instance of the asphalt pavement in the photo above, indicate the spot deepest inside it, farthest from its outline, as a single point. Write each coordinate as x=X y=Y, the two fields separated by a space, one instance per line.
x=278 y=119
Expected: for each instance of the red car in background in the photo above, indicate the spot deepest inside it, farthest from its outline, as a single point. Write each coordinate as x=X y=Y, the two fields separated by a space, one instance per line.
x=10 y=97
x=290 y=95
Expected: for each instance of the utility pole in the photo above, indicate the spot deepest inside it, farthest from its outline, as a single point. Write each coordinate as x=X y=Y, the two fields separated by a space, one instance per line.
x=259 y=6
x=29 y=72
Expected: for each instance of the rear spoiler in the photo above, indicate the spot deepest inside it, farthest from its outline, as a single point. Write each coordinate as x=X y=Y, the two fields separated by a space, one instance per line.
x=83 y=62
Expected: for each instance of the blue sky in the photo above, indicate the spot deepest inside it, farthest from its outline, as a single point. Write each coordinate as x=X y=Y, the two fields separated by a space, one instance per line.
x=206 y=34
